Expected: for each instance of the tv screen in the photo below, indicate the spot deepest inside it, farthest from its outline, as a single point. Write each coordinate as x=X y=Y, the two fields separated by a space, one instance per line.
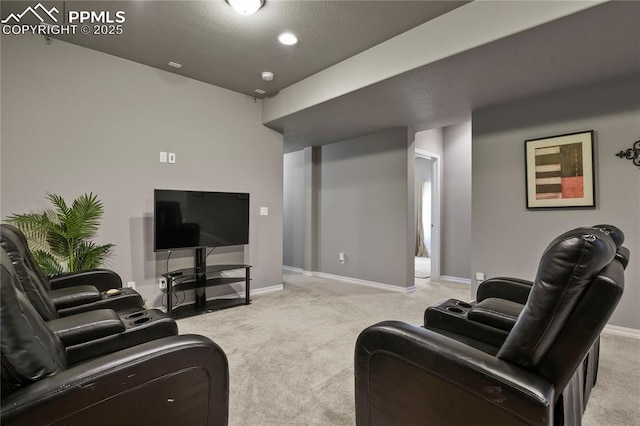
x=193 y=219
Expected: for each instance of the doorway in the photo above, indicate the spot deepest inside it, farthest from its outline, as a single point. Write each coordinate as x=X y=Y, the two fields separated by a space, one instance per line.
x=427 y=215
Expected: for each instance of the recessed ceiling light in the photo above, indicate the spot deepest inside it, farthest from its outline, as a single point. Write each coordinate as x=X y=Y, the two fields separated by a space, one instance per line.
x=246 y=7
x=175 y=65
x=288 y=39
x=267 y=76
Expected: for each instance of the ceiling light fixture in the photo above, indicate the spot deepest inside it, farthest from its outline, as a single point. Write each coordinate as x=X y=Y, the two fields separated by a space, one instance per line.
x=175 y=65
x=246 y=7
x=288 y=39
x=267 y=76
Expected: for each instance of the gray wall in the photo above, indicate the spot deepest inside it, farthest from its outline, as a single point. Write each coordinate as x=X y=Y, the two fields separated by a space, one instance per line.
x=456 y=201
x=507 y=238
x=294 y=209
x=75 y=120
x=363 y=208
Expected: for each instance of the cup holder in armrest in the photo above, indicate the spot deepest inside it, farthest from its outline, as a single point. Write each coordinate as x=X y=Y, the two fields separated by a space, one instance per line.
x=141 y=320
x=136 y=315
x=454 y=309
x=464 y=304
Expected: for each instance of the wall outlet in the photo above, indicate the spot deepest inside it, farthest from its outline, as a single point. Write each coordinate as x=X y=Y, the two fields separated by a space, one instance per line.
x=341 y=257
x=162 y=283
x=479 y=276
x=264 y=211
x=172 y=157
x=131 y=285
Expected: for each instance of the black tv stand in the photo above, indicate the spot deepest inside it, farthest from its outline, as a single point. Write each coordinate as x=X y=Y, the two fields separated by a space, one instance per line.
x=199 y=278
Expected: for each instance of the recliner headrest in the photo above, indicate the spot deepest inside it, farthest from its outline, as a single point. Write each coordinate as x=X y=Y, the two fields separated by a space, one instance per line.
x=568 y=266
x=30 y=350
x=614 y=232
x=31 y=281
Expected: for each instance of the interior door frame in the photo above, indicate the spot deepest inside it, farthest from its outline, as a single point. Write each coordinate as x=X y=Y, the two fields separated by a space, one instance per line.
x=436 y=213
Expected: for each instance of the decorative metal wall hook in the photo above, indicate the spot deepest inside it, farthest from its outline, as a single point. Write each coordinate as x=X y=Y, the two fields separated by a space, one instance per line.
x=632 y=153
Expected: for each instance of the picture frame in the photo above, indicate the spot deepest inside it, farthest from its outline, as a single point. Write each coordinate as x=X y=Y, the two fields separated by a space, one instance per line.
x=560 y=171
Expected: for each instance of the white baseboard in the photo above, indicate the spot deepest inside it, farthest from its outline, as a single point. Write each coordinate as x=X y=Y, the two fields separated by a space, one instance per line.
x=455 y=279
x=374 y=284
x=263 y=290
x=298 y=270
x=633 y=333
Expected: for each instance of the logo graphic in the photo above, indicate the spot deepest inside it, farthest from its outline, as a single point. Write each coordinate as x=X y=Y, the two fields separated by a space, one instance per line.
x=43 y=10
x=85 y=22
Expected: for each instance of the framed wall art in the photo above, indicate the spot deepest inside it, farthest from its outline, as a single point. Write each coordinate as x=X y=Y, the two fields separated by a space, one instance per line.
x=560 y=171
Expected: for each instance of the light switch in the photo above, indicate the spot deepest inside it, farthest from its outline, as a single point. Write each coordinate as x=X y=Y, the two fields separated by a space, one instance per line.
x=163 y=156
x=264 y=211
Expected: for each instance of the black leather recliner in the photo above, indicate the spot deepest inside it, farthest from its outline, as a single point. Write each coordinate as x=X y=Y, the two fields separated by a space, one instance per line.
x=68 y=294
x=93 y=333
x=173 y=380
x=410 y=375
x=500 y=300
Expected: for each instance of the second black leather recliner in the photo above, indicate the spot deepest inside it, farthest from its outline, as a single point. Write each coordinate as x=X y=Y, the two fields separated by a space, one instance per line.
x=93 y=333
x=409 y=375
x=75 y=293
x=500 y=300
x=171 y=380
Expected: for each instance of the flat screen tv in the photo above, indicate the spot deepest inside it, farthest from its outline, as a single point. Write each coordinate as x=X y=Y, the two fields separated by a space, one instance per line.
x=197 y=219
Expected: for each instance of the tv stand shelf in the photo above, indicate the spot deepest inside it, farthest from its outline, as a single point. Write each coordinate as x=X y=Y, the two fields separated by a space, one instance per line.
x=199 y=279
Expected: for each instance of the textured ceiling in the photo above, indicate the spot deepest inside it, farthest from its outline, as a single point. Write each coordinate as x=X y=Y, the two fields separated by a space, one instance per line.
x=596 y=45
x=221 y=47
x=218 y=46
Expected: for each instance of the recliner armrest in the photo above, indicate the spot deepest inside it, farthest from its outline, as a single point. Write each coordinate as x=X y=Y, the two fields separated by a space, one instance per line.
x=494 y=312
x=73 y=296
x=124 y=301
x=102 y=279
x=451 y=318
x=86 y=326
x=513 y=289
x=140 y=327
x=175 y=380
x=409 y=375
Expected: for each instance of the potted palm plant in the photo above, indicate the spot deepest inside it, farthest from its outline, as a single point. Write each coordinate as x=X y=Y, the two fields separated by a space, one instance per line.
x=60 y=236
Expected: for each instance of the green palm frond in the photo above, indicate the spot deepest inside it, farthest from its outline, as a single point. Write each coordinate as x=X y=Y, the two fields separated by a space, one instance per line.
x=61 y=234
x=59 y=242
x=83 y=218
x=90 y=256
x=48 y=263
x=60 y=205
x=33 y=225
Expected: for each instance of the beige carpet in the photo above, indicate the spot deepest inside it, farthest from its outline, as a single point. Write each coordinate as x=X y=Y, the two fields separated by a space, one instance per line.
x=291 y=352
